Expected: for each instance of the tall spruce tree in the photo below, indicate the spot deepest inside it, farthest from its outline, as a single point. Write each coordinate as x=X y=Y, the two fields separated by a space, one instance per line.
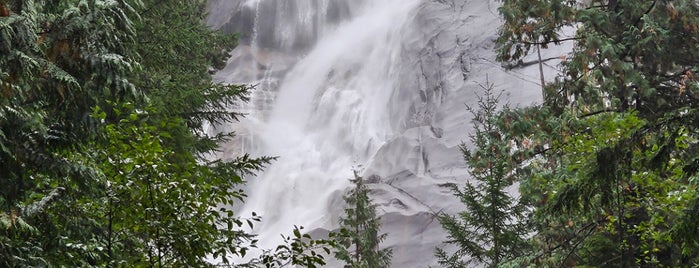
x=493 y=227
x=359 y=239
x=613 y=151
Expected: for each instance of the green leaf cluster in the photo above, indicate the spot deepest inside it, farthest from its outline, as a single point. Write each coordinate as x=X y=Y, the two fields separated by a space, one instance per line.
x=297 y=250
x=59 y=59
x=103 y=148
x=610 y=156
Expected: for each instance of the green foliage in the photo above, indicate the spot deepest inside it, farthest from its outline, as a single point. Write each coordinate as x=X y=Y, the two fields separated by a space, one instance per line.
x=359 y=238
x=101 y=138
x=492 y=229
x=178 y=53
x=52 y=72
x=182 y=207
x=298 y=250
x=612 y=152
x=529 y=23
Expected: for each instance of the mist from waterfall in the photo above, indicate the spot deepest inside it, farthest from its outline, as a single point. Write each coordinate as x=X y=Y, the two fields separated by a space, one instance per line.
x=329 y=113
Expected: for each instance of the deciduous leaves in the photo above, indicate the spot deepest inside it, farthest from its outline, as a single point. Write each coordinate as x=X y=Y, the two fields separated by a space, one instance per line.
x=129 y=185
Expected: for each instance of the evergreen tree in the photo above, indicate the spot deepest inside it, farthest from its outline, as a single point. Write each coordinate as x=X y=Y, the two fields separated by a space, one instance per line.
x=184 y=201
x=103 y=151
x=359 y=239
x=612 y=152
x=58 y=59
x=493 y=227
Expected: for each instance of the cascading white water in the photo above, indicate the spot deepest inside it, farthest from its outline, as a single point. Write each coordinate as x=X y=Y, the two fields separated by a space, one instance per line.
x=331 y=114
x=378 y=85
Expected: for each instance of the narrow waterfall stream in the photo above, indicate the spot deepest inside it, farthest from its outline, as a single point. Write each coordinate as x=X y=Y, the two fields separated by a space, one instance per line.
x=378 y=86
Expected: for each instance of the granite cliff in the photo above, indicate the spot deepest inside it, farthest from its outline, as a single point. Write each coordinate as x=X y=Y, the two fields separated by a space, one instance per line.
x=379 y=86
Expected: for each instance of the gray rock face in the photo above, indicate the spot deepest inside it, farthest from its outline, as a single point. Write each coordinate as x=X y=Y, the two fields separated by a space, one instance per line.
x=382 y=86
x=277 y=25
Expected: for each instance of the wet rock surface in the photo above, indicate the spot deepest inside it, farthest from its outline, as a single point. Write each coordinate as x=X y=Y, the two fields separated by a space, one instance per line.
x=447 y=53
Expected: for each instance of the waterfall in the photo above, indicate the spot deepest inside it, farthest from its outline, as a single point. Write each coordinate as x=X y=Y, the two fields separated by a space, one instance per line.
x=374 y=85
x=331 y=113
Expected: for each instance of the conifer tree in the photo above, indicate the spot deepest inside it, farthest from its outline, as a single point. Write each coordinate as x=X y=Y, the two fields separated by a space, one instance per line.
x=492 y=228
x=359 y=239
x=103 y=148
x=58 y=59
x=612 y=151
